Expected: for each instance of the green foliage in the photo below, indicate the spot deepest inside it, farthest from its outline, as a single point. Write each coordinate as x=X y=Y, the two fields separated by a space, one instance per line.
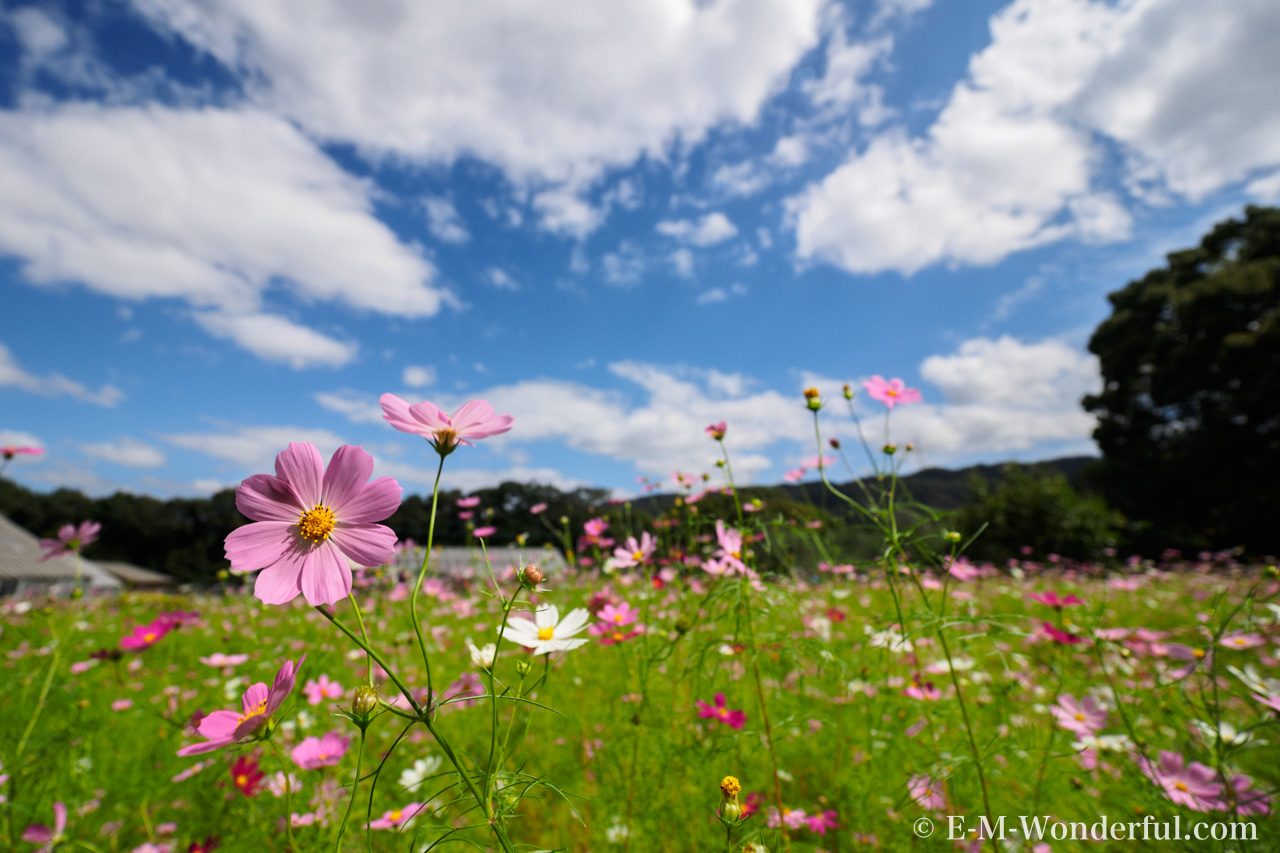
x=1188 y=417
x=1038 y=508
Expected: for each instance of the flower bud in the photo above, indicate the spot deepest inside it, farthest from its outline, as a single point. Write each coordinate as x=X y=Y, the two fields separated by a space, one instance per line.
x=364 y=700
x=531 y=576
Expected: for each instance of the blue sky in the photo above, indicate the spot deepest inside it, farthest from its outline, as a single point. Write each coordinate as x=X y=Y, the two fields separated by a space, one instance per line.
x=234 y=223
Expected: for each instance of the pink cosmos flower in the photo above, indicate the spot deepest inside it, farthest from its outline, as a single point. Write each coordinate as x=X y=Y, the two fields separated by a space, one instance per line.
x=892 y=392
x=318 y=690
x=1243 y=641
x=308 y=521
x=1192 y=785
x=733 y=719
x=70 y=539
x=1083 y=718
x=147 y=635
x=633 y=553
x=927 y=792
x=820 y=823
x=1052 y=599
x=396 y=818
x=717 y=430
x=537 y=509
x=468 y=503
x=218 y=659
x=9 y=451
x=316 y=752
x=223 y=728
x=38 y=833
x=484 y=532
x=476 y=419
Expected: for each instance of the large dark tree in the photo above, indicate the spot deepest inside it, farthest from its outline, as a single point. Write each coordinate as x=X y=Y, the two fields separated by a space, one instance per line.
x=1189 y=412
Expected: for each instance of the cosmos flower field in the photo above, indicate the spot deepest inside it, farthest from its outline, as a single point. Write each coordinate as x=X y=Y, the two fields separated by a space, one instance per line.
x=692 y=685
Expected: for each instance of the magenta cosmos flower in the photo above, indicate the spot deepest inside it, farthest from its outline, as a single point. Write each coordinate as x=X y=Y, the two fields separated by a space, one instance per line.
x=9 y=451
x=70 y=539
x=316 y=752
x=733 y=719
x=476 y=419
x=223 y=728
x=892 y=392
x=308 y=521
x=1192 y=785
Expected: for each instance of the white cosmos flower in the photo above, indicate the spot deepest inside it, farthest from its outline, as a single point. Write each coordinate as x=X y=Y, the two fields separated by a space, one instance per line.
x=546 y=632
x=483 y=657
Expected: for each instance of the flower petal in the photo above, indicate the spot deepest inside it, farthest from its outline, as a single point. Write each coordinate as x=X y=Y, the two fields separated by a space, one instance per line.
x=263 y=497
x=326 y=577
x=368 y=544
x=374 y=502
x=301 y=466
x=258 y=544
x=348 y=471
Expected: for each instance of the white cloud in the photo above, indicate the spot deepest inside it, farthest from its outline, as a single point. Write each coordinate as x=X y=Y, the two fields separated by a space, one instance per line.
x=555 y=91
x=711 y=229
x=129 y=452
x=12 y=375
x=419 y=376
x=273 y=338
x=443 y=220
x=208 y=206
x=501 y=279
x=255 y=447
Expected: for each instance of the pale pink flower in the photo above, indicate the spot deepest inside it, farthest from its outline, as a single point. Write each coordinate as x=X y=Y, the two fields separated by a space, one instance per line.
x=1083 y=718
x=319 y=689
x=891 y=392
x=70 y=540
x=476 y=419
x=633 y=553
x=316 y=752
x=223 y=728
x=1192 y=785
x=308 y=521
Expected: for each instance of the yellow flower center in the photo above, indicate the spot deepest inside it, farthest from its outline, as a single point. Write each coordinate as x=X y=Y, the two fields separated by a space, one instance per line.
x=317 y=523
x=546 y=633
x=396 y=815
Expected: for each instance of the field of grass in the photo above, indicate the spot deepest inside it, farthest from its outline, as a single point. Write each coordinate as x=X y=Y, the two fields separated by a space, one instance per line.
x=603 y=747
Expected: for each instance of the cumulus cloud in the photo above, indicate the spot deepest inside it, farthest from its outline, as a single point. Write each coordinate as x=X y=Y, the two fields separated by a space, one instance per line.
x=551 y=92
x=209 y=206
x=129 y=452
x=711 y=229
x=12 y=375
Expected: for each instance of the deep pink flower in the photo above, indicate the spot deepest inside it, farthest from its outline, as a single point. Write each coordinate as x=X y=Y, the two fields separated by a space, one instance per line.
x=475 y=419
x=223 y=728
x=927 y=792
x=146 y=635
x=38 y=833
x=892 y=392
x=633 y=553
x=9 y=451
x=820 y=823
x=1083 y=718
x=316 y=752
x=70 y=539
x=1192 y=785
x=396 y=818
x=318 y=690
x=1052 y=599
x=247 y=775
x=733 y=719
x=308 y=521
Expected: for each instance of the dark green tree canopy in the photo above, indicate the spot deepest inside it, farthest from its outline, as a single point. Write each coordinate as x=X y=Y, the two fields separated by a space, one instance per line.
x=1189 y=412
